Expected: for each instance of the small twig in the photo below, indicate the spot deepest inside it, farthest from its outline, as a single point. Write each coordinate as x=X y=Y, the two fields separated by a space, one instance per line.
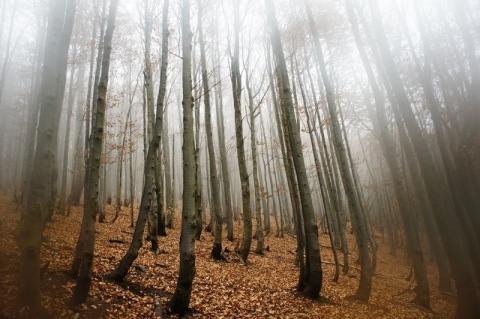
x=118 y=241
x=448 y=293
x=388 y=277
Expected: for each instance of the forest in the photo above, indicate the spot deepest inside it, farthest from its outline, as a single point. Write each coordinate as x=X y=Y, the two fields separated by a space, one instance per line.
x=239 y=159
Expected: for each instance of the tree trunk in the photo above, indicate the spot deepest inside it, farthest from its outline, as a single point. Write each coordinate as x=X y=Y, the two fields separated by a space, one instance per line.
x=78 y=170
x=363 y=291
x=223 y=158
x=282 y=132
x=121 y=159
x=314 y=272
x=160 y=190
x=463 y=199
x=388 y=149
x=32 y=223
x=256 y=184
x=268 y=173
x=89 y=130
x=127 y=260
x=169 y=187
x=199 y=207
x=132 y=181
x=242 y=165
x=321 y=180
x=215 y=206
x=66 y=148
x=329 y=173
x=86 y=240
x=451 y=233
x=3 y=76
x=181 y=298
x=33 y=110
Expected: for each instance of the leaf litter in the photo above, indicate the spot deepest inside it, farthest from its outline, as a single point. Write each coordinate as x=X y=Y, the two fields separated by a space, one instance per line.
x=264 y=288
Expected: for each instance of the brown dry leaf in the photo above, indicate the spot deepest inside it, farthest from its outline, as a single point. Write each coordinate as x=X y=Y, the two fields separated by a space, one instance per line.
x=263 y=289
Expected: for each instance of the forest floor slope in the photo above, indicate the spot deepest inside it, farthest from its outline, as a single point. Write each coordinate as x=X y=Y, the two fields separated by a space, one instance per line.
x=265 y=288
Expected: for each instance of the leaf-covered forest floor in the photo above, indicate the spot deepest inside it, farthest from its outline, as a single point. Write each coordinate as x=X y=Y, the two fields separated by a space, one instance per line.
x=265 y=288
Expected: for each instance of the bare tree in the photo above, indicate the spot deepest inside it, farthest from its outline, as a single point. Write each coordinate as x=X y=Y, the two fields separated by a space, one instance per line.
x=127 y=260
x=253 y=145
x=181 y=298
x=85 y=246
x=215 y=206
x=449 y=226
x=389 y=152
x=236 y=78
x=66 y=151
x=313 y=275
x=39 y=200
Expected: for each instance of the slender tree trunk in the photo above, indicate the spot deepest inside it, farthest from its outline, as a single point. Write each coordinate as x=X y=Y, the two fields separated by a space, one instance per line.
x=160 y=187
x=173 y=198
x=242 y=165
x=215 y=206
x=268 y=173
x=33 y=222
x=132 y=179
x=359 y=192
x=169 y=187
x=122 y=159
x=223 y=158
x=265 y=196
x=363 y=291
x=127 y=260
x=329 y=174
x=449 y=226
x=199 y=207
x=63 y=189
x=33 y=110
x=463 y=199
x=87 y=234
x=3 y=78
x=279 y=198
x=88 y=132
x=256 y=184
x=314 y=274
x=181 y=298
x=423 y=199
x=102 y=192
x=388 y=149
x=287 y=162
x=294 y=189
x=78 y=170
x=321 y=180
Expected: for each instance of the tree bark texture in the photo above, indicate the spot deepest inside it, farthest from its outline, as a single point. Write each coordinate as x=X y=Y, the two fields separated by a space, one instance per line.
x=148 y=190
x=38 y=208
x=242 y=164
x=86 y=241
x=314 y=267
x=181 y=298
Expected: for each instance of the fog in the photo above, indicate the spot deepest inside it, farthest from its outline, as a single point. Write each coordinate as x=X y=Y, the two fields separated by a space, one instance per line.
x=375 y=103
